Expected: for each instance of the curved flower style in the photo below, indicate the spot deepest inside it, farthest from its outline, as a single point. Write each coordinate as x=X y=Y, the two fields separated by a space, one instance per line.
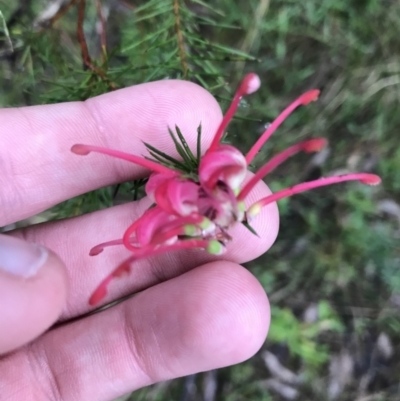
x=197 y=200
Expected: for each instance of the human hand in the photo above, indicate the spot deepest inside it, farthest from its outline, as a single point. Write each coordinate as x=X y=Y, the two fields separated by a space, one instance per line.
x=194 y=314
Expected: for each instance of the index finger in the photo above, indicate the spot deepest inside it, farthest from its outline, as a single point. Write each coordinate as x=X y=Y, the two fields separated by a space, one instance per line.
x=38 y=169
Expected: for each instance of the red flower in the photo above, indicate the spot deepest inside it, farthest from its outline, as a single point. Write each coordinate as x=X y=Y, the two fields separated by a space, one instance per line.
x=198 y=200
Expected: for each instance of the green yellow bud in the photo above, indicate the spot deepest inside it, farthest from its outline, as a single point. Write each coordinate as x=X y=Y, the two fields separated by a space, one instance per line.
x=215 y=247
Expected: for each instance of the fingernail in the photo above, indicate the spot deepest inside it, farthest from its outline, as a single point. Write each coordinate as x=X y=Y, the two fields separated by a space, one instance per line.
x=19 y=257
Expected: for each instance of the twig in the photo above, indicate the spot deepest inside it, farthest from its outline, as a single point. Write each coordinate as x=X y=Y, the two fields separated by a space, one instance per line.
x=87 y=61
x=127 y=4
x=103 y=38
x=6 y=32
x=181 y=43
x=210 y=385
x=189 y=388
x=255 y=29
x=24 y=8
x=253 y=32
x=61 y=11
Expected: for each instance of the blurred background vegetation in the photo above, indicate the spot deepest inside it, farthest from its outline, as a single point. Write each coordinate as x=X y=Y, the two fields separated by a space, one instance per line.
x=333 y=275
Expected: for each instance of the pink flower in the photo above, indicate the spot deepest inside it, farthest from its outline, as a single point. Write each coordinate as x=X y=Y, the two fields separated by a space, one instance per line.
x=199 y=199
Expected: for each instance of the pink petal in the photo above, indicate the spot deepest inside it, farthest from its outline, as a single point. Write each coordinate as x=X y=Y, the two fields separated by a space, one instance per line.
x=183 y=196
x=250 y=83
x=226 y=163
x=100 y=247
x=174 y=195
x=153 y=220
x=83 y=150
x=311 y=145
x=155 y=180
x=304 y=99
x=364 y=178
x=125 y=266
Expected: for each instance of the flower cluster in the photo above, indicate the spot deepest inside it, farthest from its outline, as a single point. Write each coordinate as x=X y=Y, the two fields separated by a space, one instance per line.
x=197 y=200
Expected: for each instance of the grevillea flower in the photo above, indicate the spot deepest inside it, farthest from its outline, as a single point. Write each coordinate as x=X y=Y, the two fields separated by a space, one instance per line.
x=198 y=199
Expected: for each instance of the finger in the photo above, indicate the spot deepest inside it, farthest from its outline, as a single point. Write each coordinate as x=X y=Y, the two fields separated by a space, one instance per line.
x=32 y=291
x=214 y=316
x=38 y=168
x=72 y=239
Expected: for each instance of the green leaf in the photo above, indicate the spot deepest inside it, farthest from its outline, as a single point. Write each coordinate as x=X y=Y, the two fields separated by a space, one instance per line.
x=137 y=185
x=250 y=228
x=198 y=144
x=172 y=166
x=160 y=160
x=186 y=146
x=179 y=148
x=161 y=155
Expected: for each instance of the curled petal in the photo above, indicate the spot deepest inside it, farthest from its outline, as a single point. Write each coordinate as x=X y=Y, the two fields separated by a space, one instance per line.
x=154 y=181
x=153 y=220
x=183 y=195
x=188 y=225
x=145 y=226
x=226 y=164
x=174 y=195
x=162 y=199
x=126 y=239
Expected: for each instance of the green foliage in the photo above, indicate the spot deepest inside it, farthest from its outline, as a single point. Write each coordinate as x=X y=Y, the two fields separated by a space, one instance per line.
x=301 y=337
x=188 y=163
x=178 y=47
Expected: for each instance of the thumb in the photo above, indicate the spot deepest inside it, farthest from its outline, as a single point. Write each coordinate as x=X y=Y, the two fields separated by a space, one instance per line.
x=33 y=290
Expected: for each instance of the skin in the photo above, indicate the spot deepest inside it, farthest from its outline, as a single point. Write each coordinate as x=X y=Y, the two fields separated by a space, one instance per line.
x=195 y=312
